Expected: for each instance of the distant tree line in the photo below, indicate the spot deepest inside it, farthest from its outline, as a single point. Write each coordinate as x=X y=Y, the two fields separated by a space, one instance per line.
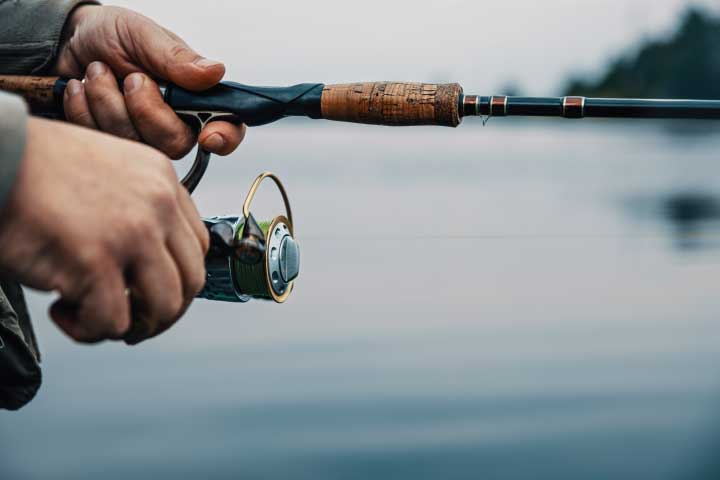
x=686 y=65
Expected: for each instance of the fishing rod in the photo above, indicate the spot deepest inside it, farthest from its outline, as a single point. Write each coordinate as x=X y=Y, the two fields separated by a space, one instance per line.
x=376 y=103
x=248 y=259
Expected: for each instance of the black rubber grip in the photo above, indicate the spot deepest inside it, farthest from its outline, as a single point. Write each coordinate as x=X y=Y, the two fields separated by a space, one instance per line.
x=252 y=106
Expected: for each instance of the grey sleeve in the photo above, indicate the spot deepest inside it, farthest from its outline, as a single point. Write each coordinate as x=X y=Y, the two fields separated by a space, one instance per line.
x=30 y=32
x=13 y=120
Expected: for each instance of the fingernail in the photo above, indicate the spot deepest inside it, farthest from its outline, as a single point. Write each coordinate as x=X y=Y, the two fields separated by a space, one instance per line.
x=134 y=82
x=206 y=63
x=95 y=70
x=74 y=87
x=214 y=142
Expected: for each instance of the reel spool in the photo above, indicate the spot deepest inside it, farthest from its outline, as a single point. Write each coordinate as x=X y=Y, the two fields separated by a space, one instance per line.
x=246 y=259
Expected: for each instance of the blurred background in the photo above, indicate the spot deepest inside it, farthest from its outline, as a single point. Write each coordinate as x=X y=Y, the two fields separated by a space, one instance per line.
x=529 y=299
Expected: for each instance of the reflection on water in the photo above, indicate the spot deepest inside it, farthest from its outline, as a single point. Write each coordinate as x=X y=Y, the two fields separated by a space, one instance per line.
x=508 y=321
x=694 y=216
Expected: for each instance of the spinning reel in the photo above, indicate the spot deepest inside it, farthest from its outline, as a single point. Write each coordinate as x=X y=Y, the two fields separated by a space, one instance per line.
x=247 y=259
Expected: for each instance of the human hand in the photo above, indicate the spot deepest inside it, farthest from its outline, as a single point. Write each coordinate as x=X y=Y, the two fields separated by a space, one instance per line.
x=91 y=216
x=111 y=44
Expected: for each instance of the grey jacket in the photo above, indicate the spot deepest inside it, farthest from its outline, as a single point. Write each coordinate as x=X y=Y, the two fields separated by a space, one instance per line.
x=30 y=32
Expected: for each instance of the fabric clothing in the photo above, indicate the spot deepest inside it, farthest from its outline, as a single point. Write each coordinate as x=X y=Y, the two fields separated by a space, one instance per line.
x=30 y=32
x=20 y=374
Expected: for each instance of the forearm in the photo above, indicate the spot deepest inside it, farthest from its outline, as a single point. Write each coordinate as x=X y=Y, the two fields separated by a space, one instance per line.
x=30 y=33
x=13 y=121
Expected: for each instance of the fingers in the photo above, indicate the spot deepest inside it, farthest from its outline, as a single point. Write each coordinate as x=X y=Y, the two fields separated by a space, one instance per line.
x=102 y=312
x=157 y=294
x=164 y=286
x=130 y=42
x=160 y=259
x=193 y=217
x=76 y=105
x=106 y=102
x=188 y=246
x=222 y=138
x=140 y=113
x=167 y=56
x=155 y=121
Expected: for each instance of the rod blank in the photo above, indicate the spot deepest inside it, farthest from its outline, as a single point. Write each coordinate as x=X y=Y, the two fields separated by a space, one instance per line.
x=581 y=107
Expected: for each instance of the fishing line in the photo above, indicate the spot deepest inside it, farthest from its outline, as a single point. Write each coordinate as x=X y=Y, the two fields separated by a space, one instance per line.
x=499 y=237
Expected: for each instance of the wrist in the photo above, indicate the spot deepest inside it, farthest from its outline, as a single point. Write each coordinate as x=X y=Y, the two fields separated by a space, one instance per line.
x=77 y=16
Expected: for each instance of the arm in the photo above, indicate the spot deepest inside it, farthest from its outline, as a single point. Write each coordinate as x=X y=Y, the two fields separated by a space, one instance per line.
x=111 y=217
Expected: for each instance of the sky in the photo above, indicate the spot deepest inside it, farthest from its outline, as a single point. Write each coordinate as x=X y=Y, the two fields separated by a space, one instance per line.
x=484 y=45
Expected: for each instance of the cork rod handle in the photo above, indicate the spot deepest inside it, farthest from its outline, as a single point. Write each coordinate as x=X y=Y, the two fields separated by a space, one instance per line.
x=376 y=103
x=393 y=103
x=39 y=92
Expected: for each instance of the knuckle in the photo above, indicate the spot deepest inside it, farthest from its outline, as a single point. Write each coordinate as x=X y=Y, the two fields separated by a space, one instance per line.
x=196 y=282
x=163 y=167
x=127 y=130
x=204 y=240
x=101 y=99
x=180 y=51
x=83 y=335
x=76 y=110
x=175 y=305
x=91 y=259
x=58 y=282
x=178 y=145
x=143 y=227
x=80 y=117
x=118 y=328
x=170 y=308
x=79 y=336
x=163 y=197
x=142 y=112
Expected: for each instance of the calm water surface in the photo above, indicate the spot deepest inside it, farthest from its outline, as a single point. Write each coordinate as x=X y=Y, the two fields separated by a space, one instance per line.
x=497 y=303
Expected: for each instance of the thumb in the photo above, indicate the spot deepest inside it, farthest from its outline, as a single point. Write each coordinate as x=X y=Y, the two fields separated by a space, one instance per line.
x=168 y=57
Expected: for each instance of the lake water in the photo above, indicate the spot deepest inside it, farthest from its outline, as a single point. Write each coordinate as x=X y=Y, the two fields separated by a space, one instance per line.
x=516 y=301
